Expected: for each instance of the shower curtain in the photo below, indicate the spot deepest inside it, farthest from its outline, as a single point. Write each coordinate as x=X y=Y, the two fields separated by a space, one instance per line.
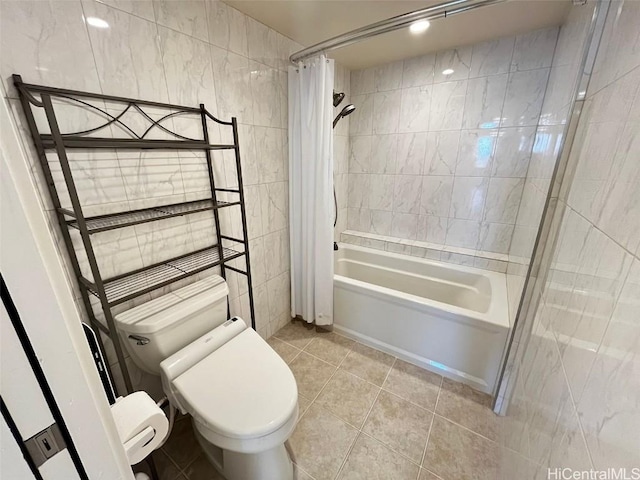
x=310 y=189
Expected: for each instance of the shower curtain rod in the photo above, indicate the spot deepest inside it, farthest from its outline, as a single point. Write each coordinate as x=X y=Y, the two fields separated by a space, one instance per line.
x=434 y=12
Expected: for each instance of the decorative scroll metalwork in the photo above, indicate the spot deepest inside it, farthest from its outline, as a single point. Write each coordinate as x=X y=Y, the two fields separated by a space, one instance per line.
x=117 y=119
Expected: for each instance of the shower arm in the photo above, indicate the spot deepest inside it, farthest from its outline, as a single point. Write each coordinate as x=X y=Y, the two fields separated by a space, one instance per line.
x=434 y=12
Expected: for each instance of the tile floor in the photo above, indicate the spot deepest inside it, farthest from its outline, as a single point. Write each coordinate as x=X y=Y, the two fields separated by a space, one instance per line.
x=365 y=414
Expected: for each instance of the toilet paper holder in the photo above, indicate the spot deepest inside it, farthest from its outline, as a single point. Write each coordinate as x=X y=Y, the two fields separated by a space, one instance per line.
x=138 y=441
x=142 y=425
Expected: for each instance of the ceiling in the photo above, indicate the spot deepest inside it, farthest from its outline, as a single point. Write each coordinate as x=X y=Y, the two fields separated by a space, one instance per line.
x=312 y=21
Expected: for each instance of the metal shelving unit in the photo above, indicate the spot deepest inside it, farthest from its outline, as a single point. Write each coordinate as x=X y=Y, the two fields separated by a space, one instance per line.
x=104 y=223
x=37 y=100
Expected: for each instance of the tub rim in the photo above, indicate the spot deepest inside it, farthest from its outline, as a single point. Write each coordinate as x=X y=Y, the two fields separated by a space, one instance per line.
x=496 y=317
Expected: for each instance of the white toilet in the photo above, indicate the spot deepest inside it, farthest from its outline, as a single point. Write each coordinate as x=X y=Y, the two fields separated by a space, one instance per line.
x=242 y=396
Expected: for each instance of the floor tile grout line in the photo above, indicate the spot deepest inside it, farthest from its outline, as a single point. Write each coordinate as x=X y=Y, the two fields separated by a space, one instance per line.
x=505 y=447
x=377 y=396
x=391 y=448
x=329 y=412
x=468 y=429
x=275 y=337
x=184 y=470
x=461 y=425
x=317 y=358
x=438 y=477
x=395 y=359
x=171 y=460
x=347 y=371
x=332 y=375
x=435 y=407
x=409 y=401
x=313 y=401
x=441 y=415
x=305 y=472
x=294 y=357
x=360 y=430
x=346 y=457
x=381 y=388
x=181 y=470
x=349 y=350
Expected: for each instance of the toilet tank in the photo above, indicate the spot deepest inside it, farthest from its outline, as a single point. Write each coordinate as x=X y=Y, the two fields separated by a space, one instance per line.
x=159 y=328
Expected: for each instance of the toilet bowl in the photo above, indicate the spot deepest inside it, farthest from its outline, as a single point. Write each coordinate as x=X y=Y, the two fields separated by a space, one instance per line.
x=241 y=395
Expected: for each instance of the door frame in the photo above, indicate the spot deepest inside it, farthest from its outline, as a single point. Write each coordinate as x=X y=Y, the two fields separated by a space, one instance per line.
x=35 y=277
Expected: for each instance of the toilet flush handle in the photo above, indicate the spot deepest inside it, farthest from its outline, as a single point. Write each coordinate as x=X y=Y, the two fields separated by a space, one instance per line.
x=139 y=340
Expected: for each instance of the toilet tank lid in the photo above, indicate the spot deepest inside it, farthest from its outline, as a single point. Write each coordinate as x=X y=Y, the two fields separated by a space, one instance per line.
x=172 y=308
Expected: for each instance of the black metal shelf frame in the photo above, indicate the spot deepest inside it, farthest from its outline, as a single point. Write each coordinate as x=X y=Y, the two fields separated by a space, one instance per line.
x=121 y=288
x=103 y=223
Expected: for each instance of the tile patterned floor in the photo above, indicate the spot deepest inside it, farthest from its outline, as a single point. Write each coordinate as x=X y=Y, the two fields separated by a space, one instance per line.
x=365 y=414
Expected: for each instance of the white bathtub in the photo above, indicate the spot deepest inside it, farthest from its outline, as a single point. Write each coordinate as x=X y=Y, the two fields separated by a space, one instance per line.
x=449 y=319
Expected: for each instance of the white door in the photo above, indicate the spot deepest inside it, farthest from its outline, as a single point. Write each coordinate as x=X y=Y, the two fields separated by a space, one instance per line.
x=61 y=386
x=13 y=463
x=29 y=426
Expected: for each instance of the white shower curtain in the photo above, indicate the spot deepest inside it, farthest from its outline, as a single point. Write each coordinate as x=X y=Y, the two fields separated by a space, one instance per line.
x=310 y=189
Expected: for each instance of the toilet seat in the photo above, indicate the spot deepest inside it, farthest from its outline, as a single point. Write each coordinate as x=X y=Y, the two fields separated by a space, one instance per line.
x=243 y=396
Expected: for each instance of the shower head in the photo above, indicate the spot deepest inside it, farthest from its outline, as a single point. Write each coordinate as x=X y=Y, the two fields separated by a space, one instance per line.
x=337 y=98
x=348 y=110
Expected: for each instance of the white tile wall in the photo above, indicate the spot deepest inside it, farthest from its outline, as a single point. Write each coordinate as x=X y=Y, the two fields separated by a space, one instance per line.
x=186 y=52
x=577 y=391
x=546 y=137
x=444 y=158
x=344 y=151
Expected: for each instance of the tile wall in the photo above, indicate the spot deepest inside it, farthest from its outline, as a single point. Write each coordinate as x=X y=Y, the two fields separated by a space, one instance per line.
x=547 y=147
x=186 y=52
x=444 y=159
x=342 y=82
x=576 y=401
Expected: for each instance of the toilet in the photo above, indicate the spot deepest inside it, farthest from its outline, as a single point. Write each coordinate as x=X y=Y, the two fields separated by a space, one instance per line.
x=241 y=395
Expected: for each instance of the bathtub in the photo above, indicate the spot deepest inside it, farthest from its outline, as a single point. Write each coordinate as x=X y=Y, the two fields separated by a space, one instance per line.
x=450 y=319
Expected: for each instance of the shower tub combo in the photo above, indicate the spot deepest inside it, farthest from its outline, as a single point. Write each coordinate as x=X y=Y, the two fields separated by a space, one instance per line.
x=450 y=319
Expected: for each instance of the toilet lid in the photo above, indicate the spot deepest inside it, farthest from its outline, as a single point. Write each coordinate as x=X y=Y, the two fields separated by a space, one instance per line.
x=242 y=390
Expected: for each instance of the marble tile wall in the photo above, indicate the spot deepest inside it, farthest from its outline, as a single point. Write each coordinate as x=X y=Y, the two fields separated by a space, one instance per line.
x=547 y=143
x=342 y=82
x=576 y=400
x=444 y=158
x=187 y=52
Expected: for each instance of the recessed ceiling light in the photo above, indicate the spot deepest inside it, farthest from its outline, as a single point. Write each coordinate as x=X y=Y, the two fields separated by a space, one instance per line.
x=419 y=26
x=97 y=22
x=448 y=71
